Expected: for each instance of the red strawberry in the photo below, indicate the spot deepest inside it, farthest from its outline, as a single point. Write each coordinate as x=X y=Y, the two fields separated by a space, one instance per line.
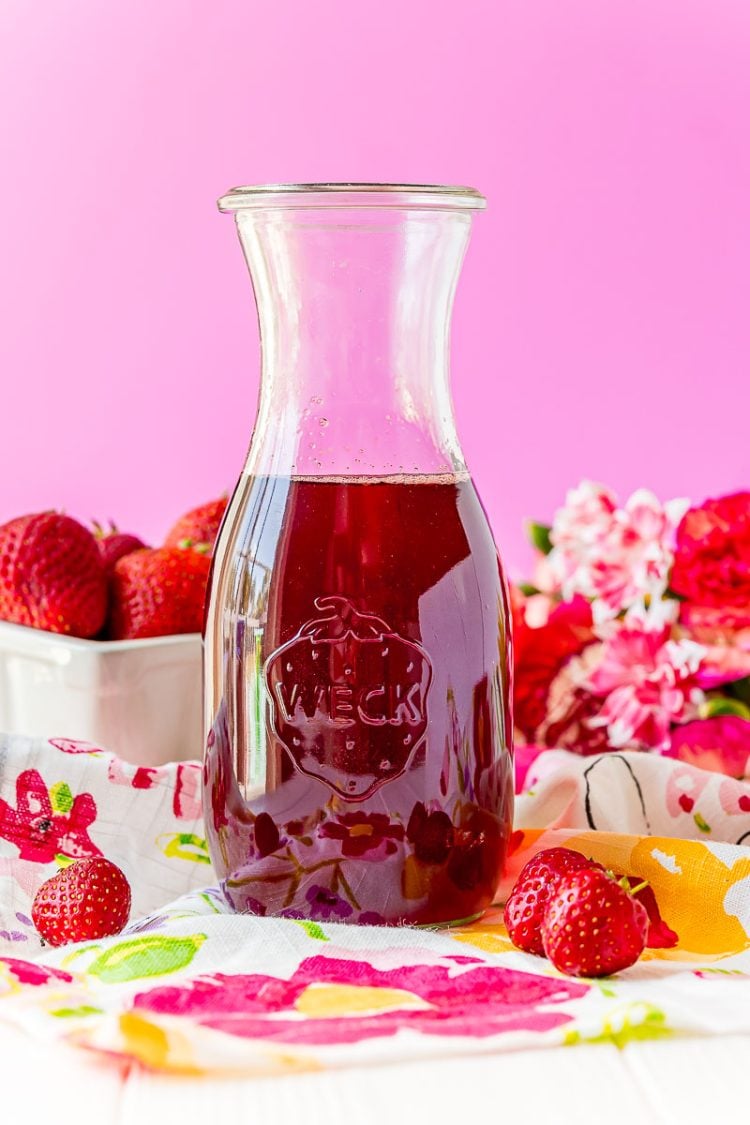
x=51 y=575
x=593 y=926
x=660 y=935
x=198 y=529
x=531 y=892
x=83 y=902
x=114 y=544
x=156 y=593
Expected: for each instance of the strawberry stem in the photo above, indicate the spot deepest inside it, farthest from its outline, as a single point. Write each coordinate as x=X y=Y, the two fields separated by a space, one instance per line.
x=624 y=882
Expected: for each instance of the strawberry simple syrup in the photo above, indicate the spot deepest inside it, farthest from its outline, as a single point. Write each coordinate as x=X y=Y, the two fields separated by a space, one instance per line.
x=358 y=762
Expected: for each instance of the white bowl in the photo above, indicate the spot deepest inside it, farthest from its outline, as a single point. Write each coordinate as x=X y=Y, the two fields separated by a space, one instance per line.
x=141 y=699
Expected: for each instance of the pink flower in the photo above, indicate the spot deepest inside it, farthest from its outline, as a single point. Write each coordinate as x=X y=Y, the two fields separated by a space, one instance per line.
x=583 y=523
x=721 y=744
x=456 y=999
x=722 y=620
x=646 y=682
x=544 y=576
x=41 y=832
x=28 y=972
x=725 y=633
x=523 y=759
x=615 y=556
x=723 y=664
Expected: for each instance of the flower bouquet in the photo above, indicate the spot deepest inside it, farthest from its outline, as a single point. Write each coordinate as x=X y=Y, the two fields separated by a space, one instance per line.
x=634 y=633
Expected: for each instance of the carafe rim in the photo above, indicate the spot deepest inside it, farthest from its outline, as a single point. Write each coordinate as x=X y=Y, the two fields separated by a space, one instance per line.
x=413 y=196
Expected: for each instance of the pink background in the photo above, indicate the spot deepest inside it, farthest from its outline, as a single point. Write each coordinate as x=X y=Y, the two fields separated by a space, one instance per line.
x=602 y=324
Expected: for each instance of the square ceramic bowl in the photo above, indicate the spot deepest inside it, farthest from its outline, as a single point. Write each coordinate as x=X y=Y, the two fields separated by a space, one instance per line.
x=140 y=699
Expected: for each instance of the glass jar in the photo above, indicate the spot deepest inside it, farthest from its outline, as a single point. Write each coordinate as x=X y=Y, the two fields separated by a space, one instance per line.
x=358 y=762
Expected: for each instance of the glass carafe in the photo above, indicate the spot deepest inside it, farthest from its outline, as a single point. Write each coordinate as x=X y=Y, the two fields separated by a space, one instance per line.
x=358 y=762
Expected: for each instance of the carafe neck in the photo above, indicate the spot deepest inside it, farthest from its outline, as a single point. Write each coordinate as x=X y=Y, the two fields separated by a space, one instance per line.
x=354 y=306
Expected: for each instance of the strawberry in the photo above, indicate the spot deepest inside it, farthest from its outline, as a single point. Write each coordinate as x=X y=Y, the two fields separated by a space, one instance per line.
x=159 y=592
x=51 y=575
x=115 y=544
x=660 y=935
x=538 y=880
x=83 y=902
x=593 y=926
x=198 y=528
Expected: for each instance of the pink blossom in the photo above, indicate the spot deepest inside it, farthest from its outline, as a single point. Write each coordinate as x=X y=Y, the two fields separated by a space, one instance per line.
x=28 y=972
x=724 y=664
x=39 y=831
x=523 y=759
x=725 y=633
x=615 y=556
x=728 y=621
x=458 y=998
x=720 y=743
x=585 y=519
x=538 y=609
x=544 y=576
x=646 y=682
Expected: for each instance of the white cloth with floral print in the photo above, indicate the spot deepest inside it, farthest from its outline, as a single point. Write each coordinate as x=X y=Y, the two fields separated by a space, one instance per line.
x=634 y=793
x=63 y=799
x=191 y=988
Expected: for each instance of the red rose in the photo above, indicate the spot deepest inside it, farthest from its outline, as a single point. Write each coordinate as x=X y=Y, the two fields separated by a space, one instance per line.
x=712 y=553
x=540 y=654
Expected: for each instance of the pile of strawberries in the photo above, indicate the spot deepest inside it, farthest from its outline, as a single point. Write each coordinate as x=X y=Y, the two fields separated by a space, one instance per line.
x=57 y=575
x=584 y=919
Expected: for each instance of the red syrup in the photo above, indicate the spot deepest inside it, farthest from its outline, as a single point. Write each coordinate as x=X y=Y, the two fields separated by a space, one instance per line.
x=358 y=763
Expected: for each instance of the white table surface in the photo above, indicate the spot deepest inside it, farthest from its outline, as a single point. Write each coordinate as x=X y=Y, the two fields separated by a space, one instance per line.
x=667 y=1082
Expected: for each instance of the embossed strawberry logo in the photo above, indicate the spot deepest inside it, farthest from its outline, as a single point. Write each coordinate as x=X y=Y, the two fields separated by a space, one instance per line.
x=349 y=698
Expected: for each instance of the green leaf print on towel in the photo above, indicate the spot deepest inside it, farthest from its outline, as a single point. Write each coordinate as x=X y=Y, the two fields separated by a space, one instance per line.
x=61 y=797
x=184 y=845
x=624 y=1023
x=149 y=956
